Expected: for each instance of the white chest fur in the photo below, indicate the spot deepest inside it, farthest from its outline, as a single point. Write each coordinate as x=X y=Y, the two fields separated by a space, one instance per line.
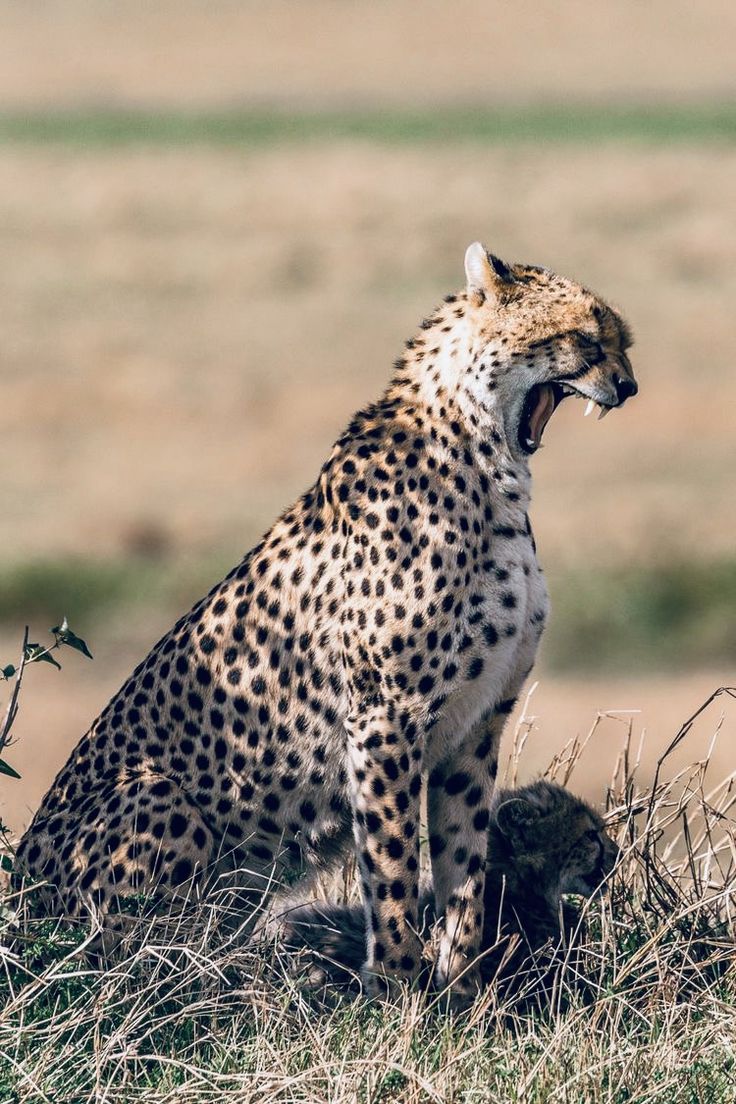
x=516 y=605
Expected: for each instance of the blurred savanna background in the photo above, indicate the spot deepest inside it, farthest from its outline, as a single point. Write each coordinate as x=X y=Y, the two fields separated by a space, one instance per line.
x=220 y=222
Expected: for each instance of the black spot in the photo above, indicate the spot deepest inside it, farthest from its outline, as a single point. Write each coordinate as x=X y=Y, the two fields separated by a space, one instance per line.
x=182 y=872
x=88 y=878
x=390 y=769
x=506 y=707
x=395 y=848
x=377 y=787
x=436 y=846
x=473 y=796
x=485 y=747
x=474 y=864
x=457 y=782
x=475 y=667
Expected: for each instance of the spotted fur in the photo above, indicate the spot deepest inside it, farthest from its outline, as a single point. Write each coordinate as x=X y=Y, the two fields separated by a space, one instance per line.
x=543 y=843
x=374 y=640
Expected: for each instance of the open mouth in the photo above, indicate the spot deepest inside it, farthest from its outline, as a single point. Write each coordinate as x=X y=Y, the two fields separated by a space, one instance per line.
x=539 y=405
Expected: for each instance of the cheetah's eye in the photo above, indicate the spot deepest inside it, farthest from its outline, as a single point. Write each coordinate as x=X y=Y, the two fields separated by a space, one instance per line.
x=590 y=348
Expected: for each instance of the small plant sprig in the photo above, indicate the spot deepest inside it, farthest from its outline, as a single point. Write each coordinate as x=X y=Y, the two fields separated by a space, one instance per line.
x=32 y=652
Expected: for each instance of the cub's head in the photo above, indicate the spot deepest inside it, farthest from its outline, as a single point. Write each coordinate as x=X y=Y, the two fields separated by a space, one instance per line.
x=545 y=842
x=537 y=338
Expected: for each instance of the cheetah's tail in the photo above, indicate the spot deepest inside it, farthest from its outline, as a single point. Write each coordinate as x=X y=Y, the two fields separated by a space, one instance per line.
x=332 y=937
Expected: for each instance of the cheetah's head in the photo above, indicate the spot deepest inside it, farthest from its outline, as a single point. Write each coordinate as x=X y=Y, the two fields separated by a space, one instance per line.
x=551 y=840
x=538 y=338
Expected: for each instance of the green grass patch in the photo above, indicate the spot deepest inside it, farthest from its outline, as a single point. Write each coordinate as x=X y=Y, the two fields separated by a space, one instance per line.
x=89 y=591
x=674 y=615
x=654 y=123
x=680 y=614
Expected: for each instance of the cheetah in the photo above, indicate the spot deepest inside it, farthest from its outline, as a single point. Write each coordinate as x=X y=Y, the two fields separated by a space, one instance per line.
x=543 y=843
x=370 y=647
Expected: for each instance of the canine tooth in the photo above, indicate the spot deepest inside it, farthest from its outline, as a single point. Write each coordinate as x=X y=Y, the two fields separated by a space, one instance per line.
x=588 y=408
x=603 y=411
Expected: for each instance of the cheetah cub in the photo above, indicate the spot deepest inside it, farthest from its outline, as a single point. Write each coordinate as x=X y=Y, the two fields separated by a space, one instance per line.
x=543 y=843
x=372 y=643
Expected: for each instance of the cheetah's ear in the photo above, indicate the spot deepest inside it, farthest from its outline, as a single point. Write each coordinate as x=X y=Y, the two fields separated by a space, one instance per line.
x=515 y=817
x=485 y=274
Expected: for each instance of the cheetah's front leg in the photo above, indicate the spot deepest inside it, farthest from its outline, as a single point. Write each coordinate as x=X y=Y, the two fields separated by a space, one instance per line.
x=459 y=795
x=385 y=763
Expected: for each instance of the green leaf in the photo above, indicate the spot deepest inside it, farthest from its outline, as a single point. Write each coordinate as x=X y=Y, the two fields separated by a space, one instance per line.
x=76 y=642
x=37 y=653
x=5 y=768
x=6 y=864
x=8 y=671
x=46 y=657
x=65 y=635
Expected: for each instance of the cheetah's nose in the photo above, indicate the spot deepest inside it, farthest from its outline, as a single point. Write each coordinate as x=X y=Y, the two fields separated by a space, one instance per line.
x=625 y=387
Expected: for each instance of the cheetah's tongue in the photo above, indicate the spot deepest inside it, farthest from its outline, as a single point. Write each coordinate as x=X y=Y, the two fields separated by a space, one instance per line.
x=541 y=412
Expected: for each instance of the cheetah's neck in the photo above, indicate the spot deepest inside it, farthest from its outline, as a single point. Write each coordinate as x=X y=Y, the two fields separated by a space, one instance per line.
x=442 y=384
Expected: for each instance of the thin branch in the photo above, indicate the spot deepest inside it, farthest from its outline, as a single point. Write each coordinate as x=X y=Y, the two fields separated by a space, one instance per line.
x=12 y=711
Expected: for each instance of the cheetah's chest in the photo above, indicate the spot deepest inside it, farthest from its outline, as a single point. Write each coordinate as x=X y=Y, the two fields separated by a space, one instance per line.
x=504 y=641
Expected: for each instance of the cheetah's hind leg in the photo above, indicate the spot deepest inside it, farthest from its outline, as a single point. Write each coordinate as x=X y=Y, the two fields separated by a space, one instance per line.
x=135 y=845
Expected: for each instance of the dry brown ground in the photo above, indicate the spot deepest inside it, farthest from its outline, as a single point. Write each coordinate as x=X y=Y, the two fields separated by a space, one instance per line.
x=185 y=332
x=175 y=52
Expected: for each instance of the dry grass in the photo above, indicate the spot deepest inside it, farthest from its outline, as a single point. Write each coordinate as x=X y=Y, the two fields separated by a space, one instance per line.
x=646 y=1012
